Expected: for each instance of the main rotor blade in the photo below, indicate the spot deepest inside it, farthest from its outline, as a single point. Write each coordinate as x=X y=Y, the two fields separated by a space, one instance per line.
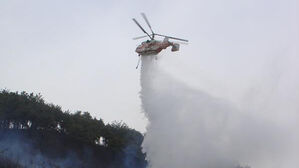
x=147 y=22
x=136 y=38
x=181 y=43
x=171 y=37
x=141 y=28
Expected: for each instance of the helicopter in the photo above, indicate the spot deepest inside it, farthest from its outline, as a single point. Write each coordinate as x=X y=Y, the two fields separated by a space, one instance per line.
x=151 y=46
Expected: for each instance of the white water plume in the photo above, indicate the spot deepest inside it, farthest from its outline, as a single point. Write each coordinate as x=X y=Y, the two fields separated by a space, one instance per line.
x=188 y=128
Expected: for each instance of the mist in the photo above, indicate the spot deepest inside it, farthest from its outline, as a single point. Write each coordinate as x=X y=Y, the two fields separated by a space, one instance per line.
x=191 y=128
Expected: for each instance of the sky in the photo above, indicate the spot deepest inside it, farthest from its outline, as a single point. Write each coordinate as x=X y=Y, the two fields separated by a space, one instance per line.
x=80 y=54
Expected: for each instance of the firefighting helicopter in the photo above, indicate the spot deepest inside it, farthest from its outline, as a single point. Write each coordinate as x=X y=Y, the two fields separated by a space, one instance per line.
x=151 y=46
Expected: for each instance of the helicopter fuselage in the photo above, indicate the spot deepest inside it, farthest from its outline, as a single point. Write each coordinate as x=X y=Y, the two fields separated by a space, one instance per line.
x=154 y=47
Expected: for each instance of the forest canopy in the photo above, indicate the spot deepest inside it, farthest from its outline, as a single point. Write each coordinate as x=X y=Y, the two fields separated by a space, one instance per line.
x=28 y=113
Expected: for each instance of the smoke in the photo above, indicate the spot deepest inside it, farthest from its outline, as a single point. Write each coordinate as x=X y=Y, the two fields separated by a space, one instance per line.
x=189 y=128
x=22 y=150
x=19 y=148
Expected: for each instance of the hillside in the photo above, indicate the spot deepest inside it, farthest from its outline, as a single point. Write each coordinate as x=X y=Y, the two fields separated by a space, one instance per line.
x=36 y=134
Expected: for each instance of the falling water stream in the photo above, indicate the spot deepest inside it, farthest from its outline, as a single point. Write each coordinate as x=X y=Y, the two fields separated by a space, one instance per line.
x=188 y=128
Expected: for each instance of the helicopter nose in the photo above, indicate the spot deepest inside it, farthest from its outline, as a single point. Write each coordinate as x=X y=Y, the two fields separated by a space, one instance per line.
x=138 y=49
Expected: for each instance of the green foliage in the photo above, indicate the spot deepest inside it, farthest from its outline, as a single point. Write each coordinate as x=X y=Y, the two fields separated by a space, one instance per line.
x=30 y=112
x=55 y=132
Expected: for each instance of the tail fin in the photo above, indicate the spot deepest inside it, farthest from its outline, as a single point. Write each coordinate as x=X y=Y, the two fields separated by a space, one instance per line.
x=175 y=47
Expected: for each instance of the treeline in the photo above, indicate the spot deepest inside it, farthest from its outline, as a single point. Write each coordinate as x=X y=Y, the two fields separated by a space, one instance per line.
x=29 y=115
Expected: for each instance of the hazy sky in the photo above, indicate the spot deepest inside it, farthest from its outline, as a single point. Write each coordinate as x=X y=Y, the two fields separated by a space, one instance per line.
x=80 y=54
